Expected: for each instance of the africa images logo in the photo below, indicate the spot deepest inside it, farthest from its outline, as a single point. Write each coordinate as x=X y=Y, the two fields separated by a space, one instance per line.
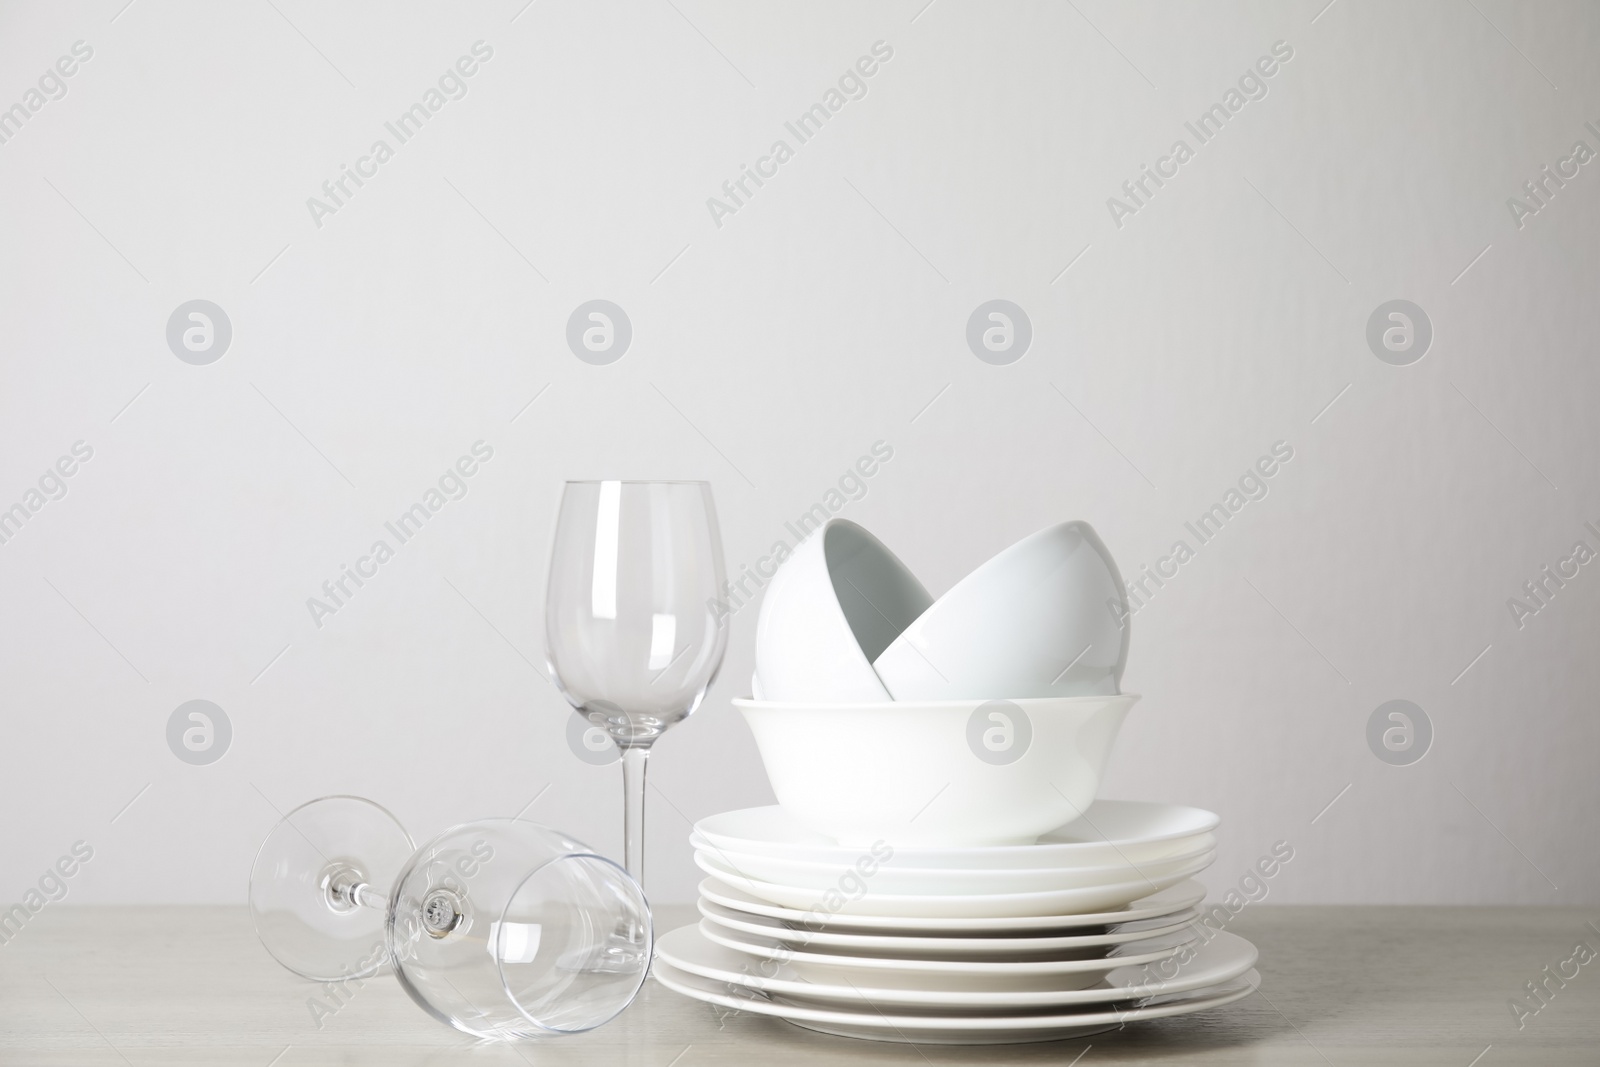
x=1252 y=85
x=51 y=86
x=452 y=85
x=452 y=485
x=852 y=85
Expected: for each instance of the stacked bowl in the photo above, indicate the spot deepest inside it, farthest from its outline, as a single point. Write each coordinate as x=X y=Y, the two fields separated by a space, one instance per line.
x=938 y=867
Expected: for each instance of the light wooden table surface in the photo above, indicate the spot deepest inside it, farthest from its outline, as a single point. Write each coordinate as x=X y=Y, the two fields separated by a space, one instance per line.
x=1341 y=985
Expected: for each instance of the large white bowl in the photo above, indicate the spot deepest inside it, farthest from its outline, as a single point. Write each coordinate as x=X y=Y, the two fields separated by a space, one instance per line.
x=830 y=609
x=1046 y=617
x=939 y=774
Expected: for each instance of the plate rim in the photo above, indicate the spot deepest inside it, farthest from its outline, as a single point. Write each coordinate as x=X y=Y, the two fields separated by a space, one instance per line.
x=1210 y=820
x=1039 y=898
x=945 y=924
x=700 y=844
x=1094 y=940
x=959 y=968
x=1236 y=988
x=935 y=999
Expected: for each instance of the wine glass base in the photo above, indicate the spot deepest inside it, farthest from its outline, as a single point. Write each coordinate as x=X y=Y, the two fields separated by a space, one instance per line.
x=301 y=887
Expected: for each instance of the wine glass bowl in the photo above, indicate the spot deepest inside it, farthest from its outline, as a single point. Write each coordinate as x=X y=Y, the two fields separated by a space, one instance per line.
x=531 y=902
x=631 y=632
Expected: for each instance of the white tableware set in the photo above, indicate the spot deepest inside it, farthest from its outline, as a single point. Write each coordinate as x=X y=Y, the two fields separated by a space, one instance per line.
x=938 y=868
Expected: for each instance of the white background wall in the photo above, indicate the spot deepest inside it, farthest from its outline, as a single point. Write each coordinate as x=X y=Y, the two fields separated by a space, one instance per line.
x=769 y=353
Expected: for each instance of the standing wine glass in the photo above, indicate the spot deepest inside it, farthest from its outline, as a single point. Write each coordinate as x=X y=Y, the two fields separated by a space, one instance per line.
x=630 y=630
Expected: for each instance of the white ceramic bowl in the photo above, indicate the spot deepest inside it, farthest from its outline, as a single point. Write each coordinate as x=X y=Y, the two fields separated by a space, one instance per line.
x=938 y=774
x=1040 y=619
x=830 y=609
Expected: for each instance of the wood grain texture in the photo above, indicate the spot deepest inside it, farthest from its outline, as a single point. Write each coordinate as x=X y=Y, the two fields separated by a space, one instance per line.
x=1341 y=985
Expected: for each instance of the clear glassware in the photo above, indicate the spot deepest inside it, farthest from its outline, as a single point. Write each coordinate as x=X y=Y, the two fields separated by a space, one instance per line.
x=501 y=928
x=630 y=631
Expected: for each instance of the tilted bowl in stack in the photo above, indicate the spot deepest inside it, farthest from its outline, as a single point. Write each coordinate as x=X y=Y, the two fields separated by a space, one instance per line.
x=938 y=867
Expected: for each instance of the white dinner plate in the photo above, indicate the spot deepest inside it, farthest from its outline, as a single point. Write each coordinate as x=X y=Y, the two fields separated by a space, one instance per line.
x=950 y=1029
x=1109 y=832
x=1209 y=962
x=869 y=901
x=1073 y=1015
x=1154 y=905
x=892 y=875
x=878 y=1028
x=819 y=971
x=947 y=947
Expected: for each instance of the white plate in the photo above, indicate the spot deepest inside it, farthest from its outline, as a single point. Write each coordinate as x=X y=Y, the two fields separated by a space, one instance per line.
x=948 y=947
x=957 y=1029
x=1110 y=831
x=878 y=1028
x=696 y=968
x=970 y=905
x=892 y=876
x=822 y=974
x=1177 y=898
x=1224 y=957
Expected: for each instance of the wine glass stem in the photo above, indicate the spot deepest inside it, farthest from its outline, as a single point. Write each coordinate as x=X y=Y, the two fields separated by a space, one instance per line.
x=367 y=897
x=634 y=761
x=346 y=890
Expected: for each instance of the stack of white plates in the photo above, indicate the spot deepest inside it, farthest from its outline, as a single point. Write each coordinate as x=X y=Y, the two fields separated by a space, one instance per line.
x=1088 y=929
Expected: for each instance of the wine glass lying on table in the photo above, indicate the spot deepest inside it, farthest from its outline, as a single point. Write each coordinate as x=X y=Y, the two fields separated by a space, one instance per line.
x=501 y=928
